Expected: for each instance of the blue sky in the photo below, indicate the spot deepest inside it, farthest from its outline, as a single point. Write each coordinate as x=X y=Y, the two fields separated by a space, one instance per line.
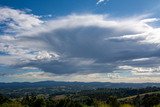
x=79 y=40
x=63 y=7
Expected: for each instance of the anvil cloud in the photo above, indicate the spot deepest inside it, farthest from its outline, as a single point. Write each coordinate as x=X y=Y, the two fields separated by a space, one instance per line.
x=79 y=43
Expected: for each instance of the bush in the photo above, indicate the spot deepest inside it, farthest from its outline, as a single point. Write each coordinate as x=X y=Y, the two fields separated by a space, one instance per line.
x=157 y=105
x=12 y=104
x=101 y=104
x=126 y=105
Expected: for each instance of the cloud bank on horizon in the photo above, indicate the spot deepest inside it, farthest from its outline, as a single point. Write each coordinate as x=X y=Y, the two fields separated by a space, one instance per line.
x=79 y=47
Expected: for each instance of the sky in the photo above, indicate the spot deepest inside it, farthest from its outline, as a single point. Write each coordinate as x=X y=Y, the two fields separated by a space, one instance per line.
x=80 y=40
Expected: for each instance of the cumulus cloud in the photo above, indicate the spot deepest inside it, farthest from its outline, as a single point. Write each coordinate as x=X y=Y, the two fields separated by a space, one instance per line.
x=13 y=21
x=79 y=44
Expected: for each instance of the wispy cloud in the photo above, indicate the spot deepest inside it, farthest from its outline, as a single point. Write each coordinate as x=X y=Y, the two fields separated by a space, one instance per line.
x=101 y=1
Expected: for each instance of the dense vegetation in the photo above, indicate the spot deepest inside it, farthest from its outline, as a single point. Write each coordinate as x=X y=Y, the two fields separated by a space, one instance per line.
x=101 y=97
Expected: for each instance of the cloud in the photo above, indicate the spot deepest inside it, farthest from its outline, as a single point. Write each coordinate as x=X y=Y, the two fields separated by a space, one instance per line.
x=79 y=44
x=35 y=75
x=101 y=1
x=94 y=77
x=143 y=71
x=13 y=21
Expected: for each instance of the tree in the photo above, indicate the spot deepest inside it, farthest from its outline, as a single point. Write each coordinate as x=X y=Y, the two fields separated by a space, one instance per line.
x=3 y=99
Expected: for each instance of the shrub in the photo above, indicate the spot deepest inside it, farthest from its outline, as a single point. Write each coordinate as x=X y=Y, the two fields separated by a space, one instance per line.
x=126 y=105
x=12 y=104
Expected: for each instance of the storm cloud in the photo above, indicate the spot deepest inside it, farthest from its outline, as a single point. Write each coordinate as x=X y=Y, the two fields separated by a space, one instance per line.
x=84 y=44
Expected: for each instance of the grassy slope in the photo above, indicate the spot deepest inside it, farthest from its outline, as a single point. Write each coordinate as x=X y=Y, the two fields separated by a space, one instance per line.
x=141 y=95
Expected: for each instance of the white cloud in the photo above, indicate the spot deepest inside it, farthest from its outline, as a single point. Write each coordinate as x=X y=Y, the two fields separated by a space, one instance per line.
x=142 y=71
x=150 y=35
x=141 y=59
x=17 y=20
x=87 y=20
x=101 y=1
x=150 y=20
x=35 y=75
x=44 y=55
x=101 y=77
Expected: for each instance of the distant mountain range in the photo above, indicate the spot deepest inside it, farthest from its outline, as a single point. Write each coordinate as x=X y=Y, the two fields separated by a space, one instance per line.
x=77 y=84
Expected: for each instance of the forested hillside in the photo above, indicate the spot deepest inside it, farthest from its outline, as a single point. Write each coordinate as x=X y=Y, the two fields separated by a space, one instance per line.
x=100 y=97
